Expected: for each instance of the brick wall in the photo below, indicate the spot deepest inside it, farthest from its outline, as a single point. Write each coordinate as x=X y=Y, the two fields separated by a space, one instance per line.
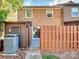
x=39 y=17
x=23 y=31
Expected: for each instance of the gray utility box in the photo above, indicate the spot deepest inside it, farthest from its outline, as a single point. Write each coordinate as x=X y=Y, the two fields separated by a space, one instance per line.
x=11 y=43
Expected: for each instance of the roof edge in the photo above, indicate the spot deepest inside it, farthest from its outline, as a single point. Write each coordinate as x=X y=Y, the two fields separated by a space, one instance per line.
x=42 y=6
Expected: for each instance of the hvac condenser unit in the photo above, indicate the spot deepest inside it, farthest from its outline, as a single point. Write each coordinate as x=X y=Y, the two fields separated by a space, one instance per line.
x=11 y=43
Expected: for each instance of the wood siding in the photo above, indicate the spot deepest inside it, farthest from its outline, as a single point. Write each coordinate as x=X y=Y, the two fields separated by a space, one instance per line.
x=67 y=14
x=75 y=23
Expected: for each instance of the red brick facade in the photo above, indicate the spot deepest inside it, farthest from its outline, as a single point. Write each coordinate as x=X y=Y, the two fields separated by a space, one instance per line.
x=39 y=16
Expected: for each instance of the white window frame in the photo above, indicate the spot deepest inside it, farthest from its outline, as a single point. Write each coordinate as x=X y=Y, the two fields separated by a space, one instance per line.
x=48 y=12
x=26 y=13
x=72 y=11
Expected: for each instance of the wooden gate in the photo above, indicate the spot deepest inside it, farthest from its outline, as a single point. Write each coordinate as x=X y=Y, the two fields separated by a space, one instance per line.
x=59 y=38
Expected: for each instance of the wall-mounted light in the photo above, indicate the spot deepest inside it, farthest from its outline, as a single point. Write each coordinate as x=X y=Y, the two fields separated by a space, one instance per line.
x=38 y=27
x=9 y=30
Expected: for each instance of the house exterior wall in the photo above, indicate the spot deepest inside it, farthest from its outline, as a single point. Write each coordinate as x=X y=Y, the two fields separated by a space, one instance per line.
x=39 y=17
x=67 y=14
x=23 y=32
x=12 y=17
x=72 y=23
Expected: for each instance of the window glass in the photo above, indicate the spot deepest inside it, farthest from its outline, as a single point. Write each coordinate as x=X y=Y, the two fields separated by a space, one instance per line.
x=36 y=32
x=49 y=13
x=28 y=13
x=74 y=12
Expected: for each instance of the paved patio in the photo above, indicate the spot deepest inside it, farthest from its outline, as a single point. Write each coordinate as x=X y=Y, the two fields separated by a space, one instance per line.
x=19 y=55
x=33 y=54
x=23 y=54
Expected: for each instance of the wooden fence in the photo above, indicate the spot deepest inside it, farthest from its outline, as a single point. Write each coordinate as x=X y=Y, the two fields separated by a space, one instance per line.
x=59 y=38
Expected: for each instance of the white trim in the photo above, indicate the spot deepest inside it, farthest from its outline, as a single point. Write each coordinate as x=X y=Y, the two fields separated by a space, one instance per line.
x=47 y=12
x=74 y=16
x=26 y=13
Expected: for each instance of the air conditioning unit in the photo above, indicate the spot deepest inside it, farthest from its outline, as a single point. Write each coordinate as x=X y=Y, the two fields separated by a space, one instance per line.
x=11 y=43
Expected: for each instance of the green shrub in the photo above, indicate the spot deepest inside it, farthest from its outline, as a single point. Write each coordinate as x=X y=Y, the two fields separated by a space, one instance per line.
x=50 y=57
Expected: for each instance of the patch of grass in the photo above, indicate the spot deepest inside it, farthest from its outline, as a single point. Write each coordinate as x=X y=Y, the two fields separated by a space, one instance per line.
x=50 y=57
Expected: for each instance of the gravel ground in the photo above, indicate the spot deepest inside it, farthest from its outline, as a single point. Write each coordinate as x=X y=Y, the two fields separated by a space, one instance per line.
x=63 y=55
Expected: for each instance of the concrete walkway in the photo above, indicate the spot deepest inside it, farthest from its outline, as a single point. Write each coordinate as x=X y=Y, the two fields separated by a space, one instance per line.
x=35 y=43
x=33 y=54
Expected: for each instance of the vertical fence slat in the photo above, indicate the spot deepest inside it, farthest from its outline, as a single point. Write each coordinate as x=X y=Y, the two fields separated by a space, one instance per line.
x=57 y=37
x=49 y=33
x=46 y=45
x=41 y=38
x=75 y=37
x=54 y=38
x=64 y=33
x=61 y=38
x=51 y=38
x=47 y=38
x=72 y=29
x=78 y=38
x=68 y=38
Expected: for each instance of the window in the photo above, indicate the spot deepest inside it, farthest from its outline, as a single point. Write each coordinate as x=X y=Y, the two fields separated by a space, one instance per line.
x=49 y=13
x=28 y=13
x=74 y=12
x=36 y=32
x=15 y=30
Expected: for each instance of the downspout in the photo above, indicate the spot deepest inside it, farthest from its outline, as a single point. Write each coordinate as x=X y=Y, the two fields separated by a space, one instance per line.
x=62 y=15
x=29 y=25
